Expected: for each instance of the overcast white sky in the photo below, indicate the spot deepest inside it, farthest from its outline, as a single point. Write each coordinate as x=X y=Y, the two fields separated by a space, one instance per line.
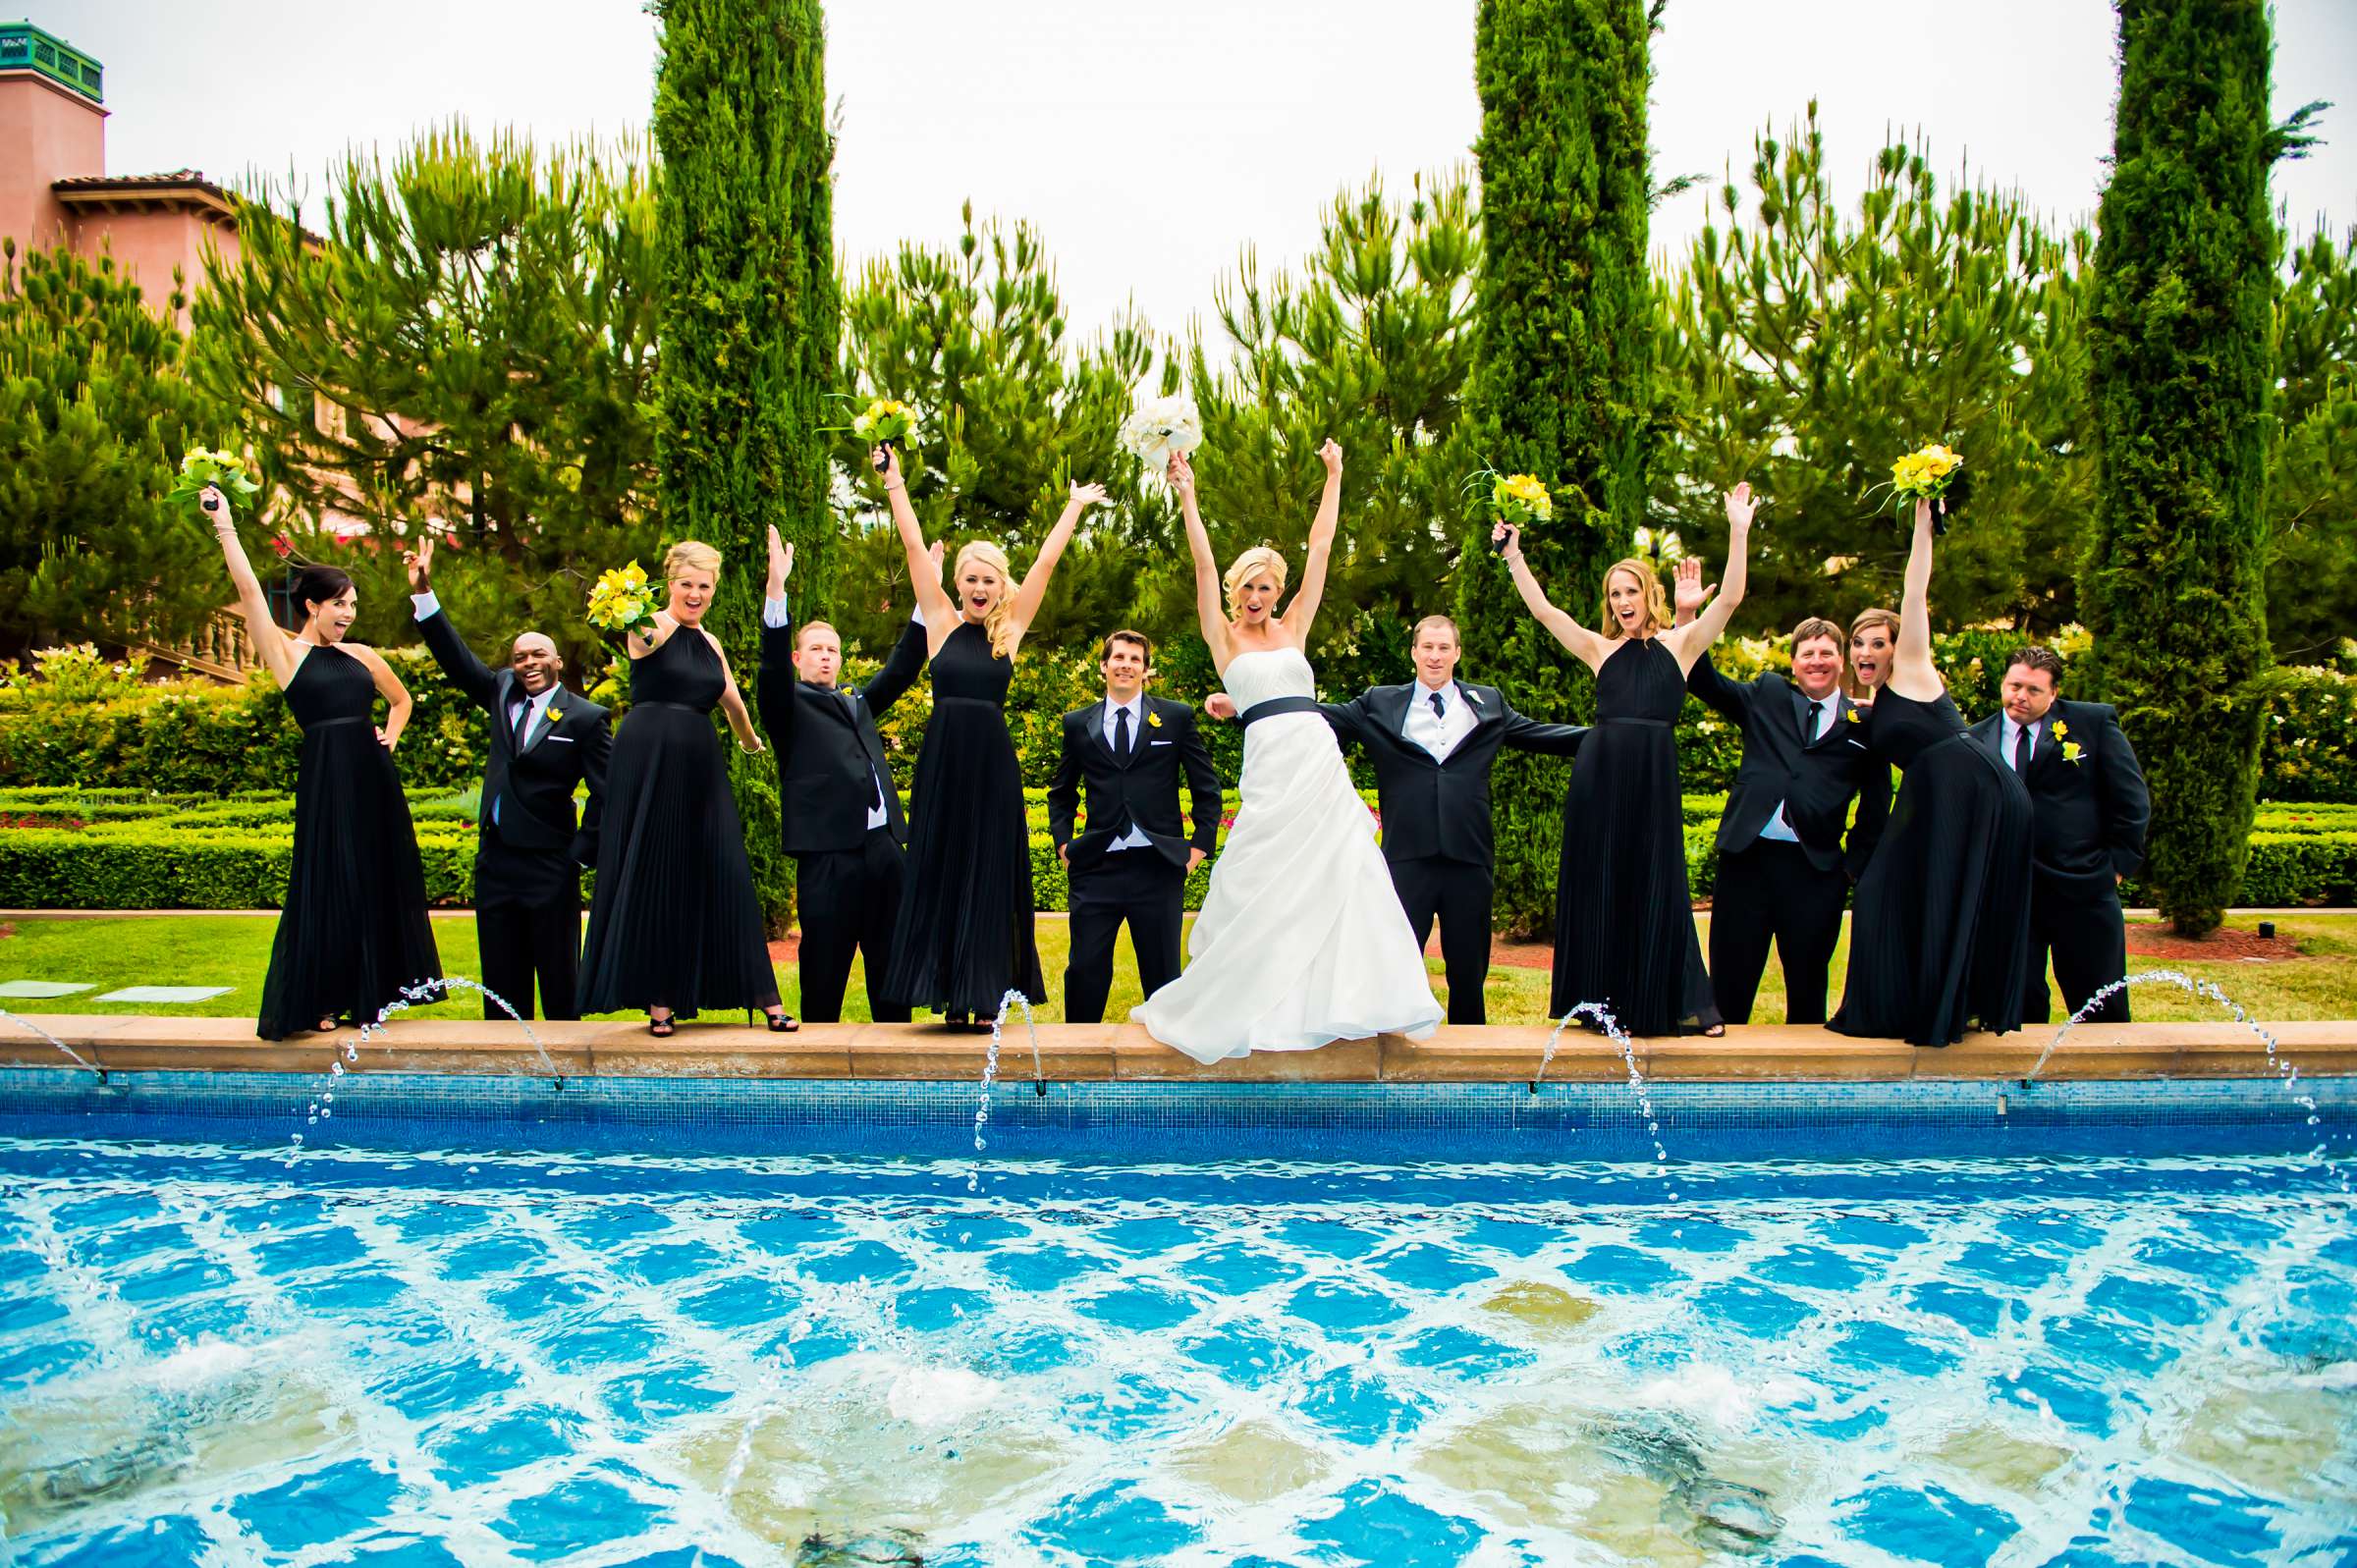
x=1152 y=142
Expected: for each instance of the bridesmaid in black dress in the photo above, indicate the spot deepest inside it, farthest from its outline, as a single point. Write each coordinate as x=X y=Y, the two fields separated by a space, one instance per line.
x=1623 y=911
x=675 y=925
x=964 y=938
x=353 y=931
x=1939 y=928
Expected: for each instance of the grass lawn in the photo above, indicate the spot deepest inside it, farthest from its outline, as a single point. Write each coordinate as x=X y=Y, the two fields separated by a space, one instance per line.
x=2320 y=982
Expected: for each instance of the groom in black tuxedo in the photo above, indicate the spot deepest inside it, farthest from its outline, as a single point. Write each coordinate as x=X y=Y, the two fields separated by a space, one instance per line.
x=2090 y=809
x=1131 y=864
x=838 y=814
x=1433 y=742
x=546 y=738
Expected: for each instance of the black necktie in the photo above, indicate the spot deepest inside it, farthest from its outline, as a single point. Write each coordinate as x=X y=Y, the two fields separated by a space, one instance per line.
x=2022 y=752
x=1439 y=709
x=524 y=722
x=875 y=781
x=1815 y=718
x=1120 y=733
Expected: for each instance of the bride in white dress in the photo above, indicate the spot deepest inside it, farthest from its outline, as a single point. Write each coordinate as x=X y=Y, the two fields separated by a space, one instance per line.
x=1301 y=939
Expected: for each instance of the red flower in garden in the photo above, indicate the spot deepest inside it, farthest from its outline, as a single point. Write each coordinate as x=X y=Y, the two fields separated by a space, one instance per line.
x=284 y=546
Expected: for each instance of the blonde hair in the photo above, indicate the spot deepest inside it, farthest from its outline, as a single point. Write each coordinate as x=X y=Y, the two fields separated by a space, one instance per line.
x=1241 y=572
x=1656 y=602
x=999 y=624
x=691 y=554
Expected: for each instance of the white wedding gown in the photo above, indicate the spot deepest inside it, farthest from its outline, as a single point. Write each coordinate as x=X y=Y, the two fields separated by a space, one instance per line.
x=1301 y=941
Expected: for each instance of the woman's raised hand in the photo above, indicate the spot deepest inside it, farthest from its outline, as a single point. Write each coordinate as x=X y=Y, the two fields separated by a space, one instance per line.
x=1088 y=495
x=1510 y=536
x=216 y=505
x=781 y=556
x=1740 y=507
x=1181 y=475
x=1331 y=455
x=885 y=461
x=1689 y=595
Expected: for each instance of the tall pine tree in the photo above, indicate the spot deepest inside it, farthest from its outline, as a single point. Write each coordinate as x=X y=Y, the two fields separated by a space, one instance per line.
x=1562 y=370
x=744 y=241
x=2179 y=331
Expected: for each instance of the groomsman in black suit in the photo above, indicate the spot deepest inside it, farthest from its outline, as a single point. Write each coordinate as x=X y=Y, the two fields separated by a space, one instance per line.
x=546 y=738
x=1433 y=742
x=1783 y=875
x=2090 y=809
x=1130 y=750
x=838 y=814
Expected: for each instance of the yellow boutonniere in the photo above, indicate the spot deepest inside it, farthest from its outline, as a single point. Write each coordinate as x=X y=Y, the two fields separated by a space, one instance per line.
x=2060 y=729
x=1155 y=720
x=555 y=713
x=2071 y=751
x=1850 y=714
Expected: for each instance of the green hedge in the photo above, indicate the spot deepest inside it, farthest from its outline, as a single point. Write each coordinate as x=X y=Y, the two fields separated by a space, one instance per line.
x=197 y=739
x=122 y=849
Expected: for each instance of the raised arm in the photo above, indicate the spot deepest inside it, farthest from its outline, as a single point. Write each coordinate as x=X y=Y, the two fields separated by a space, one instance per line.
x=924 y=573
x=458 y=661
x=1914 y=675
x=1688 y=643
x=389 y=687
x=1028 y=597
x=773 y=680
x=1304 y=607
x=269 y=642
x=1211 y=605
x=1589 y=647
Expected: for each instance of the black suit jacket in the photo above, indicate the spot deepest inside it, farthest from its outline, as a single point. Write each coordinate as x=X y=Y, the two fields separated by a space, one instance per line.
x=1440 y=808
x=1142 y=793
x=830 y=758
x=1814 y=782
x=2091 y=814
x=534 y=788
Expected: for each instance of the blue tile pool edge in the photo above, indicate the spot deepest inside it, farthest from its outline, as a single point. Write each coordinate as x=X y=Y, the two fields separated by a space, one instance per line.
x=1097 y=1119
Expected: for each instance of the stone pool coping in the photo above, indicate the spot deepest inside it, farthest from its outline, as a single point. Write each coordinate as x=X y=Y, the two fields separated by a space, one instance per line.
x=1495 y=1053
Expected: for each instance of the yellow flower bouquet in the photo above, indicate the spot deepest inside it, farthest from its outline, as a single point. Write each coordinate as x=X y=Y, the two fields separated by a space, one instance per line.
x=1522 y=500
x=622 y=601
x=1933 y=473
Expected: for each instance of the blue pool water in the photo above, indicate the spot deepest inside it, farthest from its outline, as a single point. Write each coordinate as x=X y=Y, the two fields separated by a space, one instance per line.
x=482 y=1324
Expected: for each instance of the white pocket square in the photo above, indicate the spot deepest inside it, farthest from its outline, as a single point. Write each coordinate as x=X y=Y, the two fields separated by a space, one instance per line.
x=1861 y=745
x=1157 y=742
x=558 y=740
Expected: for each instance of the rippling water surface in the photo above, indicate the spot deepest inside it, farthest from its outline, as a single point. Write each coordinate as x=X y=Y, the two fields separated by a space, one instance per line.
x=408 y=1359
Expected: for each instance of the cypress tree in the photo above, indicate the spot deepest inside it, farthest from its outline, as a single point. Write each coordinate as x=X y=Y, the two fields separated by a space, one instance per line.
x=2180 y=362
x=745 y=241
x=1562 y=379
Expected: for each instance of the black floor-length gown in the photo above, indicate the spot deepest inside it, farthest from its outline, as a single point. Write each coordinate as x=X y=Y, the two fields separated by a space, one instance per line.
x=1939 y=928
x=965 y=937
x=1623 y=911
x=353 y=931
x=674 y=921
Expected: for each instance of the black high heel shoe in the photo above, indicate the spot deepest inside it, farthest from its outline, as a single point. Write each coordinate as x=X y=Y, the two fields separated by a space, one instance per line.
x=662 y=1028
x=780 y=1023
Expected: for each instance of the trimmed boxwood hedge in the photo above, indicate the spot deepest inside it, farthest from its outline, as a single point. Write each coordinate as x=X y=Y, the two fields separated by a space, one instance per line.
x=181 y=851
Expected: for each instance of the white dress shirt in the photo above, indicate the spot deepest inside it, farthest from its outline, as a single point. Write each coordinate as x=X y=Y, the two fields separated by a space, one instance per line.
x=1439 y=732
x=1815 y=718
x=1136 y=708
x=773 y=616
x=2009 y=736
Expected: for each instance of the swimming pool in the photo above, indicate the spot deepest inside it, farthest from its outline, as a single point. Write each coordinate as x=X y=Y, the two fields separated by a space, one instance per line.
x=744 y=1323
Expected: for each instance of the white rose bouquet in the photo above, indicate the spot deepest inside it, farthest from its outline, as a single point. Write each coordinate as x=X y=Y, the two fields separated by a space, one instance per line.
x=1160 y=426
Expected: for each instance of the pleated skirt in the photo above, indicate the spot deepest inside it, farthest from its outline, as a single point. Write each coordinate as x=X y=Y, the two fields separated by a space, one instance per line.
x=1624 y=910
x=674 y=921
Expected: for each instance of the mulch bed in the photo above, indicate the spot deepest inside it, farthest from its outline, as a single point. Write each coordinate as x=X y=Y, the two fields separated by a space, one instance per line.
x=2149 y=940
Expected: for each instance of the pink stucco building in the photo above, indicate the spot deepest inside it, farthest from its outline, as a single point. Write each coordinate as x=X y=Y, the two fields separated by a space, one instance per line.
x=54 y=185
